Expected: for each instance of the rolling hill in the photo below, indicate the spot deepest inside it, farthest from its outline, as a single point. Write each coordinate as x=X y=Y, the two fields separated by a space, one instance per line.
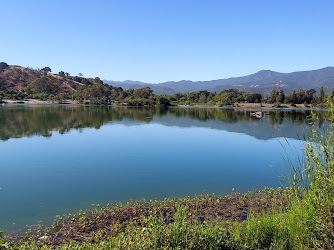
x=18 y=77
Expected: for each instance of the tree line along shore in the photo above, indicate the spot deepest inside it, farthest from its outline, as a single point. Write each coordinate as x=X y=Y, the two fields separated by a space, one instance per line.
x=25 y=85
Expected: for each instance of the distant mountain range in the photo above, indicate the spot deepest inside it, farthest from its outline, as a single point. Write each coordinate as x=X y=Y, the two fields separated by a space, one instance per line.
x=262 y=81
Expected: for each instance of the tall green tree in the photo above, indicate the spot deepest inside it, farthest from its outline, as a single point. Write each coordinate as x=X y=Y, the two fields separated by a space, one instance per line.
x=321 y=96
x=43 y=86
x=222 y=98
x=252 y=97
x=202 y=98
x=94 y=92
x=310 y=95
x=291 y=98
x=163 y=100
x=273 y=96
x=143 y=93
x=193 y=96
x=281 y=96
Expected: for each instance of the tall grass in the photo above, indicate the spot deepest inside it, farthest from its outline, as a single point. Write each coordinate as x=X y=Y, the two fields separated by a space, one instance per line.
x=309 y=220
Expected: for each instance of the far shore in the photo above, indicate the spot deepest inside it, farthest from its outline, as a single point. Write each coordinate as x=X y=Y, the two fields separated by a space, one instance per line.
x=252 y=105
x=234 y=105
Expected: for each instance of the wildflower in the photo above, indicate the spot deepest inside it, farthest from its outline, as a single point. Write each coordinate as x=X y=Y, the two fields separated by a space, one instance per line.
x=259 y=221
x=232 y=189
x=189 y=213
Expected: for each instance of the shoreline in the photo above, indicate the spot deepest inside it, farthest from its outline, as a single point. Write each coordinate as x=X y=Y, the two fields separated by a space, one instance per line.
x=37 y=101
x=119 y=218
x=235 y=105
x=249 y=105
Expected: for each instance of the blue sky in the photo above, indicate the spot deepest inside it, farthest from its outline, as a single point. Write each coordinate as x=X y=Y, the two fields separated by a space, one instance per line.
x=161 y=40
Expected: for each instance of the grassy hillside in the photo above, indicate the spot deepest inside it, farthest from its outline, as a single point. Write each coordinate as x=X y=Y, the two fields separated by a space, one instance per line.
x=18 y=77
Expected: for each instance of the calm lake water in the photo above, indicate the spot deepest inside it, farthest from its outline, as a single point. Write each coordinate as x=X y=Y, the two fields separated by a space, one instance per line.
x=60 y=159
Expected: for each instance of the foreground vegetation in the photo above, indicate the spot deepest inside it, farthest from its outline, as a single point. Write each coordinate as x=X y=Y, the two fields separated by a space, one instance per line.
x=202 y=221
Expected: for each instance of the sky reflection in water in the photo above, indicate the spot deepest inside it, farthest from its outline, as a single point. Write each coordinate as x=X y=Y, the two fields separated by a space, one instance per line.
x=138 y=153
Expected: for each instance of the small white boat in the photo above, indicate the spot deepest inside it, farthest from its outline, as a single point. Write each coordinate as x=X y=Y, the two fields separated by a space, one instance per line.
x=258 y=114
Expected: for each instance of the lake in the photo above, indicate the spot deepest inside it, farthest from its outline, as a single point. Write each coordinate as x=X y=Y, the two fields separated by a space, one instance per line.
x=60 y=159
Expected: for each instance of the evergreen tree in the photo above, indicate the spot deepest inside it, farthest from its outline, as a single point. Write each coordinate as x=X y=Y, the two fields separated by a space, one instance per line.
x=281 y=96
x=273 y=96
x=321 y=95
x=309 y=95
